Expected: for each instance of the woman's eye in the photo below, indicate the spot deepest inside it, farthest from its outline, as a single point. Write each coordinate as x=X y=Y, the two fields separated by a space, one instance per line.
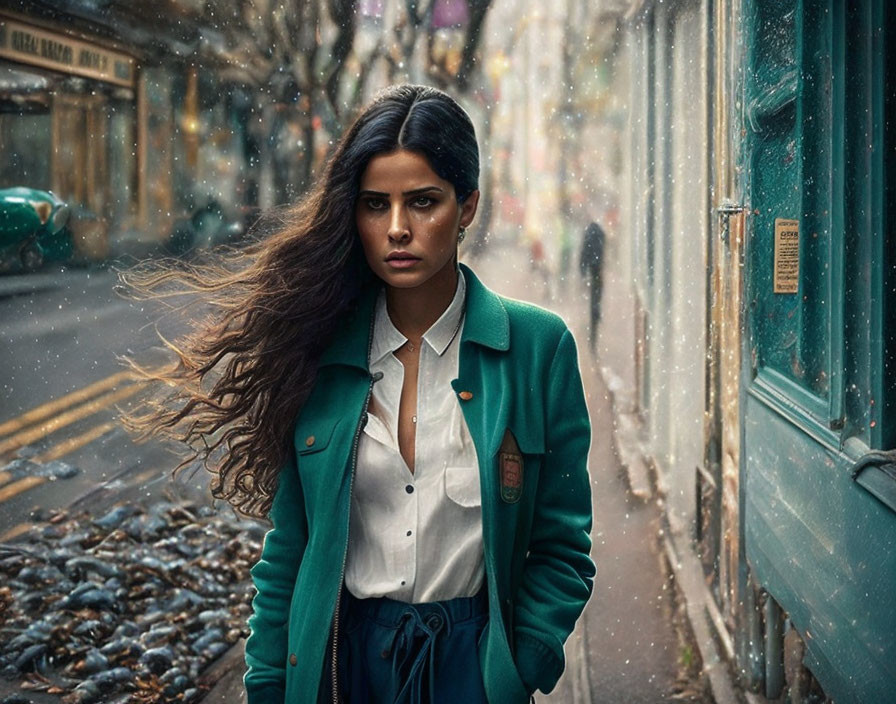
x=376 y=204
x=422 y=201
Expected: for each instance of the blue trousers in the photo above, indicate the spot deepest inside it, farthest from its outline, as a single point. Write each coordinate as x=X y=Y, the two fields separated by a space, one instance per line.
x=398 y=653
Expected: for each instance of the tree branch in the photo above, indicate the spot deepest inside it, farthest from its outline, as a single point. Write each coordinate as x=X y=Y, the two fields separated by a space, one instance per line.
x=344 y=16
x=478 y=11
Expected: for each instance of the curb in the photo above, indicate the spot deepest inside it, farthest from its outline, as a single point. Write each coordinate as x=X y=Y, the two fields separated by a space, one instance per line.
x=631 y=456
x=225 y=677
x=19 y=284
x=704 y=618
x=702 y=612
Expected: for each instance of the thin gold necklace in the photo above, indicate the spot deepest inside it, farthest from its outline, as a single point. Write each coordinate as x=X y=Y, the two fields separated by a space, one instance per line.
x=460 y=320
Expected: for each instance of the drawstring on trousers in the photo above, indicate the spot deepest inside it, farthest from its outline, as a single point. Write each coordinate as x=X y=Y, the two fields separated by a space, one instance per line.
x=415 y=642
x=395 y=652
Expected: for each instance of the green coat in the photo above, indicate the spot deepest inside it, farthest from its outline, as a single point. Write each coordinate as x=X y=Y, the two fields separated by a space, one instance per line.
x=517 y=372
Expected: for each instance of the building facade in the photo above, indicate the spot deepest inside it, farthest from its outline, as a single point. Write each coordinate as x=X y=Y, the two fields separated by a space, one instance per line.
x=755 y=203
x=136 y=116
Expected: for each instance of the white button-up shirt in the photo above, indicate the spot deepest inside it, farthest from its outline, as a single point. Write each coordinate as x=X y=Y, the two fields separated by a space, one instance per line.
x=416 y=537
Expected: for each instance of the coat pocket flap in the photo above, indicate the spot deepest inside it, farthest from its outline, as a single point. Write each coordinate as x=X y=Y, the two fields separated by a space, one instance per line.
x=525 y=440
x=314 y=437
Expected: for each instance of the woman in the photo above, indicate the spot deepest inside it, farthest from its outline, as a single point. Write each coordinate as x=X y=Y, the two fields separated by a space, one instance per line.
x=418 y=442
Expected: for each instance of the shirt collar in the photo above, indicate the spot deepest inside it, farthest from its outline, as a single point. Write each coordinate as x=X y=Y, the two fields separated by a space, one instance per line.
x=387 y=338
x=487 y=323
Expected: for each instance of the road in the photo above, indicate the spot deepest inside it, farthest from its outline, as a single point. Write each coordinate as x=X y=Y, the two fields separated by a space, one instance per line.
x=61 y=384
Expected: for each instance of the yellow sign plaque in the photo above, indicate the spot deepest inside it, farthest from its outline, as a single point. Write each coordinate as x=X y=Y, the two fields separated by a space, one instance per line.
x=787 y=255
x=38 y=47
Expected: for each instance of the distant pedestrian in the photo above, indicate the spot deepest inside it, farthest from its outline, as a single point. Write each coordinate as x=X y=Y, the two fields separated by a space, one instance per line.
x=591 y=262
x=418 y=442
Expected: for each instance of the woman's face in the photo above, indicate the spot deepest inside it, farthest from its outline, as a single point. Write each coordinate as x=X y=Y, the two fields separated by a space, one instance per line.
x=408 y=220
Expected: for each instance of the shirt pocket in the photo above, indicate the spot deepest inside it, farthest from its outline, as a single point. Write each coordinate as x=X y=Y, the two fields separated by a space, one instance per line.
x=462 y=486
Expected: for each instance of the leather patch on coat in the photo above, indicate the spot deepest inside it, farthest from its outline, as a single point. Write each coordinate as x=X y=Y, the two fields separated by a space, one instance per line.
x=510 y=465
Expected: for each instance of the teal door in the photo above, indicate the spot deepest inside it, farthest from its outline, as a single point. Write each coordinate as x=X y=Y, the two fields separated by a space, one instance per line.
x=819 y=490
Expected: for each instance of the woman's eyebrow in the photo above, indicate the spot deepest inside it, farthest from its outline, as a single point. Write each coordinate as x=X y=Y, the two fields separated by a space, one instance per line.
x=417 y=191
x=413 y=192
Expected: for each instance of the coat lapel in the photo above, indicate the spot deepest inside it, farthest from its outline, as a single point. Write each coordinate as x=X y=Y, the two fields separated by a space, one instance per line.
x=483 y=398
x=487 y=323
x=482 y=392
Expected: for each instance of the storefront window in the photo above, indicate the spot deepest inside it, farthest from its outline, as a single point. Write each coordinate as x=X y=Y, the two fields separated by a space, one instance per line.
x=25 y=135
x=25 y=150
x=158 y=172
x=208 y=151
x=219 y=157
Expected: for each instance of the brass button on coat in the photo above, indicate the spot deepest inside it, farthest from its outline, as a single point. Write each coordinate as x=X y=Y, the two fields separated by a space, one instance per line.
x=309 y=441
x=466 y=395
x=293 y=660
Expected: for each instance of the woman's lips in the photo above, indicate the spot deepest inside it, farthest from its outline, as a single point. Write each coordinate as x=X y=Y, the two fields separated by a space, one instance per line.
x=402 y=261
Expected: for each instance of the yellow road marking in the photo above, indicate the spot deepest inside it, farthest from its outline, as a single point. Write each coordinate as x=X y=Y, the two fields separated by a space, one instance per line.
x=143 y=476
x=22 y=431
x=74 y=443
x=75 y=397
x=35 y=433
x=15 y=531
x=17 y=487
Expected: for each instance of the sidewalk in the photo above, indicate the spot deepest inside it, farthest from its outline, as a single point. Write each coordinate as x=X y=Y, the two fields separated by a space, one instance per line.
x=616 y=352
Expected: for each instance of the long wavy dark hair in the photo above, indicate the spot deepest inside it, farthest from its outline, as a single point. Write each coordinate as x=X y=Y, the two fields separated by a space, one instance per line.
x=238 y=379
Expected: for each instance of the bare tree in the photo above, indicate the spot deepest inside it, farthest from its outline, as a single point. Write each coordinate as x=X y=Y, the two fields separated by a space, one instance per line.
x=292 y=55
x=295 y=53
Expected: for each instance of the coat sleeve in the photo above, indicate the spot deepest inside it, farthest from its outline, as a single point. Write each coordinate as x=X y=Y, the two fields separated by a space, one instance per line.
x=558 y=574
x=274 y=576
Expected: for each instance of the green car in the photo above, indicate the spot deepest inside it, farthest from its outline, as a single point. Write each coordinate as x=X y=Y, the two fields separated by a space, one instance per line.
x=32 y=229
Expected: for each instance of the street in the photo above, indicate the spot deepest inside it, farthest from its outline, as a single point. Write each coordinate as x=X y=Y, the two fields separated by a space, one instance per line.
x=60 y=439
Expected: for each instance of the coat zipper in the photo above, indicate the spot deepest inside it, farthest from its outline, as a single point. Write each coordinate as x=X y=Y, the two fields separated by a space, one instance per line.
x=362 y=421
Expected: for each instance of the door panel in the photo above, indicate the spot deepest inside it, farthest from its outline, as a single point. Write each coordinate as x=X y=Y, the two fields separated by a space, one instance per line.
x=80 y=168
x=80 y=172
x=821 y=544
